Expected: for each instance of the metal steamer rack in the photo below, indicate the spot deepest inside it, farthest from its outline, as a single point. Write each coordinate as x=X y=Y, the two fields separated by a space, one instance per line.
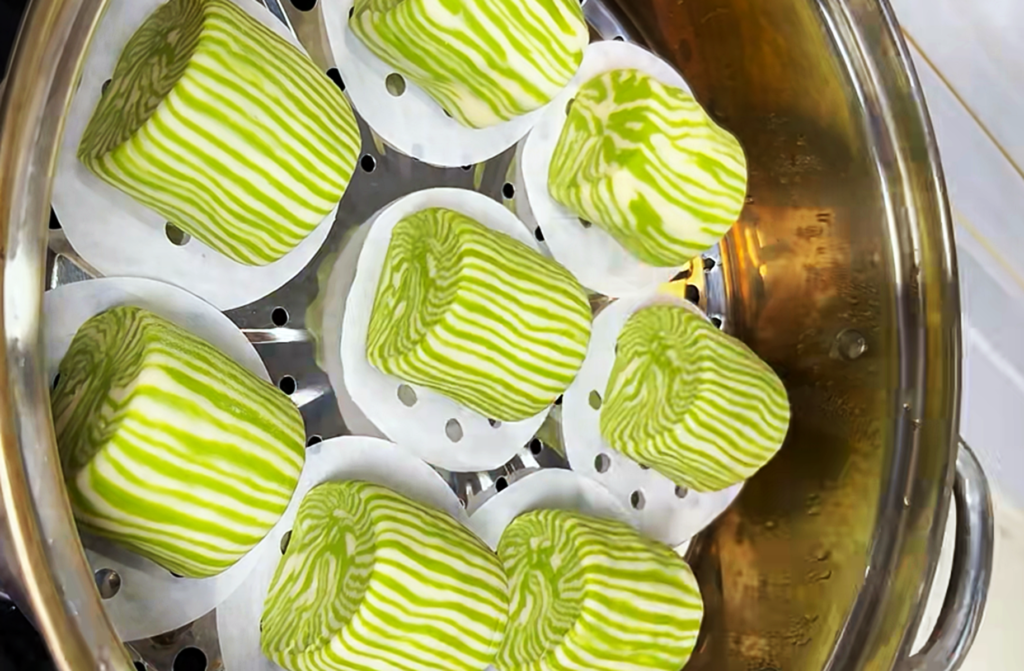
x=293 y=327
x=834 y=587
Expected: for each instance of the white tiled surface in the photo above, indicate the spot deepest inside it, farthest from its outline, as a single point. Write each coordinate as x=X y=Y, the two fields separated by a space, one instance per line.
x=970 y=59
x=976 y=45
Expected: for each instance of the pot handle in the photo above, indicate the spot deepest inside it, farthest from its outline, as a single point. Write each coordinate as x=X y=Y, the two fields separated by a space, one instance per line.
x=964 y=604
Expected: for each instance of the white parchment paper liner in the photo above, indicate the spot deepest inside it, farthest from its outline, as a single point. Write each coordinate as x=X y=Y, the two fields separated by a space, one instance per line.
x=423 y=427
x=151 y=600
x=658 y=508
x=547 y=489
x=119 y=236
x=592 y=255
x=338 y=459
x=339 y=284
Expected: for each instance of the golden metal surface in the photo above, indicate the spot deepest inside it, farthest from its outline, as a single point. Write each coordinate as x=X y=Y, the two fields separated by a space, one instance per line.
x=843 y=241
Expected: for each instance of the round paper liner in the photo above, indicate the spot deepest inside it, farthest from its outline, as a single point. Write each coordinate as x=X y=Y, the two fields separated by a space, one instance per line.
x=422 y=427
x=413 y=123
x=657 y=507
x=547 y=489
x=349 y=458
x=591 y=254
x=121 y=237
x=339 y=284
x=151 y=600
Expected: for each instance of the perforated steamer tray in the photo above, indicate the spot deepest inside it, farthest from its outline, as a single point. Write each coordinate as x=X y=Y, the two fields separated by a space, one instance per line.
x=296 y=329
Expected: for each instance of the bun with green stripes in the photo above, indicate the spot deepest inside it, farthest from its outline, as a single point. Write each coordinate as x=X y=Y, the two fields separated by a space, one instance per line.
x=691 y=402
x=592 y=595
x=170 y=448
x=224 y=128
x=483 y=61
x=373 y=580
x=642 y=160
x=477 y=316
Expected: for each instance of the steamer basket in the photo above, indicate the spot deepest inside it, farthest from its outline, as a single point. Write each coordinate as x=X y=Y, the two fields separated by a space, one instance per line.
x=841 y=274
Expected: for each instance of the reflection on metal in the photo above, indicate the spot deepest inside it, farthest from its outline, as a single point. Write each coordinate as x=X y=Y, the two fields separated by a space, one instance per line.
x=823 y=561
x=960 y=618
x=64 y=264
x=473 y=489
x=819 y=565
x=276 y=8
x=108 y=583
x=850 y=344
x=276 y=335
x=159 y=652
x=42 y=548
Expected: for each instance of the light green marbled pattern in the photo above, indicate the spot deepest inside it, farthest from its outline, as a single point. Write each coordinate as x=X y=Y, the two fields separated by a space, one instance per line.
x=592 y=595
x=692 y=402
x=643 y=161
x=170 y=448
x=477 y=316
x=224 y=128
x=483 y=61
x=372 y=580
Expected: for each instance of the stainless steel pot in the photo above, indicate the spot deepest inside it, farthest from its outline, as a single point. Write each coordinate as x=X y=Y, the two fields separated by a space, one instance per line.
x=841 y=274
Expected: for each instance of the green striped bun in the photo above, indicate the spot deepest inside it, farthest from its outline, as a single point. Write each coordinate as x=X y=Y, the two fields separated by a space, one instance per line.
x=483 y=61
x=643 y=161
x=226 y=129
x=372 y=580
x=170 y=448
x=691 y=402
x=592 y=595
x=476 y=316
